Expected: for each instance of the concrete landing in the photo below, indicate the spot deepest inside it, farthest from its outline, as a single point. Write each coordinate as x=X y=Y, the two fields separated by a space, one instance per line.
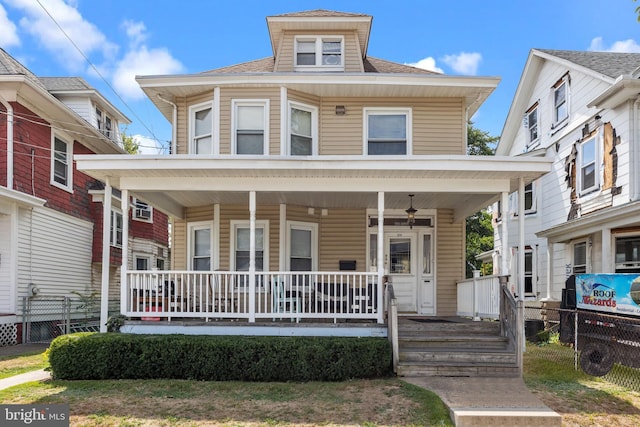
x=490 y=402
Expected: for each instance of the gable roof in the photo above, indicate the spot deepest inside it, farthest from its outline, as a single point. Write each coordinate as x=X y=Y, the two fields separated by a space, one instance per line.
x=9 y=66
x=611 y=64
x=54 y=84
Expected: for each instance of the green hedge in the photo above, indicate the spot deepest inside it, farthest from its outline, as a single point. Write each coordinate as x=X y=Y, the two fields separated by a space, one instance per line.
x=218 y=358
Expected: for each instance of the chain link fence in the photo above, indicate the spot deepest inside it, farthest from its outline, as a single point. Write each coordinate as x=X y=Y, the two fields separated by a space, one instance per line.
x=601 y=345
x=45 y=318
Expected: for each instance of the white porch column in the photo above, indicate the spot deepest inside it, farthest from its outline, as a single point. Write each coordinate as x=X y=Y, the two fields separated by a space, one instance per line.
x=521 y=240
x=124 y=303
x=607 y=265
x=282 y=263
x=106 y=227
x=252 y=256
x=504 y=267
x=380 y=255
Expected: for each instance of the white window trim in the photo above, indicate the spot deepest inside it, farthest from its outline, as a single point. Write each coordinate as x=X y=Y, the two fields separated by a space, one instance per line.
x=381 y=111
x=193 y=109
x=534 y=201
x=318 y=41
x=314 y=126
x=234 y=225
x=69 y=185
x=135 y=212
x=309 y=226
x=532 y=143
x=200 y=225
x=567 y=100
x=113 y=229
x=235 y=103
x=587 y=254
x=596 y=138
x=148 y=257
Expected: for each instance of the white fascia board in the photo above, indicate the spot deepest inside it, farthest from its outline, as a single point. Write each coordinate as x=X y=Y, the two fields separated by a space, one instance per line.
x=625 y=87
x=20 y=198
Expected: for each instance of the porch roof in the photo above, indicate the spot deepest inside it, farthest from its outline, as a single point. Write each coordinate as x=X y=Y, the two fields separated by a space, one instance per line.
x=173 y=183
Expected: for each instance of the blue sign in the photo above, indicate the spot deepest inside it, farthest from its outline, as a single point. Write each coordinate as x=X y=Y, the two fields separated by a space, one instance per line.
x=611 y=293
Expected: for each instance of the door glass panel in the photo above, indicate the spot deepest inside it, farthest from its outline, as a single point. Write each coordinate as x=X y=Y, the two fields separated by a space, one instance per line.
x=426 y=254
x=400 y=254
x=373 y=252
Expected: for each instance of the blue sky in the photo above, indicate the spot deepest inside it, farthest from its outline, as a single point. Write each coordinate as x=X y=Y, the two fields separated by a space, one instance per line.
x=122 y=38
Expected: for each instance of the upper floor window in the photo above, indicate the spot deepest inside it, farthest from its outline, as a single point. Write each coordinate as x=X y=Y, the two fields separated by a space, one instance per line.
x=61 y=164
x=142 y=211
x=251 y=134
x=387 y=131
x=201 y=129
x=324 y=53
x=531 y=125
x=104 y=123
x=303 y=130
x=115 y=238
x=588 y=177
x=561 y=100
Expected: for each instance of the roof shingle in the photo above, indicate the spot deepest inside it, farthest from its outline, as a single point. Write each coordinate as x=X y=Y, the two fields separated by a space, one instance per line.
x=611 y=64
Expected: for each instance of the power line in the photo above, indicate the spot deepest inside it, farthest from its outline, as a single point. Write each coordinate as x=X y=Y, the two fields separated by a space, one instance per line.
x=97 y=71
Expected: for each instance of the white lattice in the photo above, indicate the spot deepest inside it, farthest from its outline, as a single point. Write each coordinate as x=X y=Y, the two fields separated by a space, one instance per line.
x=8 y=334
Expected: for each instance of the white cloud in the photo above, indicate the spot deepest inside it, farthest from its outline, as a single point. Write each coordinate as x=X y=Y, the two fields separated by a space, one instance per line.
x=464 y=63
x=621 y=46
x=8 y=30
x=136 y=31
x=87 y=37
x=427 y=63
x=149 y=146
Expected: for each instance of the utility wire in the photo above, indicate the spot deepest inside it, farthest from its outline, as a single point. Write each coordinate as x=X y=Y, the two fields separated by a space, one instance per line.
x=97 y=71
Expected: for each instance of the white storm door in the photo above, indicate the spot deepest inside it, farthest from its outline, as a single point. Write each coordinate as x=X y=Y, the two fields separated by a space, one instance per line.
x=400 y=262
x=426 y=283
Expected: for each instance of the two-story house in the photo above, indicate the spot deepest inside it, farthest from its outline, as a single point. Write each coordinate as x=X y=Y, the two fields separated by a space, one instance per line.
x=580 y=110
x=50 y=227
x=300 y=181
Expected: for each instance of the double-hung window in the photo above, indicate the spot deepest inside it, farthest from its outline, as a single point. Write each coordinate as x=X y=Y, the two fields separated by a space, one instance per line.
x=580 y=257
x=142 y=211
x=115 y=235
x=529 y=199
x=319 y=53
x=240 y=246
x=560 y=100
x=251 y=133
x=387 y=131
x=588 y=171
x=201 y=129
x=61 y=171
x=303 y=130
x=531 y=125
x=528 y=271
x=302 y=246
x=142 y=262
x=200 y=246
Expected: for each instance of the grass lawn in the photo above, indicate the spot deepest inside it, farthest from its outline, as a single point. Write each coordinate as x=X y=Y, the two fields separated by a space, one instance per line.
x=12 y=365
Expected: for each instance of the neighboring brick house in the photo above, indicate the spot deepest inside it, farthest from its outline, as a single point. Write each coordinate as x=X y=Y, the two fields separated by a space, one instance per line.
x=50 y=222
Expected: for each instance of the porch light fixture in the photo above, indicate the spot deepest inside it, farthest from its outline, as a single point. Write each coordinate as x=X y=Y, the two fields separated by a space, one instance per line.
x=411 y=212
x=340 y=110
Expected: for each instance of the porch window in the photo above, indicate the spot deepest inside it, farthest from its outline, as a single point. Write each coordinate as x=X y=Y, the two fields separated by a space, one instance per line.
x=302 y=246
x=303 y=128
x=250 y=127
x=200 y=246
x=580 y=257
x=528 y=271
x=628 y=254
x=240 y=246
x=61 y=172
x=116 y=229
x=201 y=129
x=588 y=172
x=387 y=131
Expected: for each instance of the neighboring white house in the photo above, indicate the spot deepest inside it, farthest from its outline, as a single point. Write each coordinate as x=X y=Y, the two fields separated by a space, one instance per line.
x=581 y=110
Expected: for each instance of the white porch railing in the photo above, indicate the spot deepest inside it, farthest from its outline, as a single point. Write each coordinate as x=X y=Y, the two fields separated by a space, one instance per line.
x=152 y=295
x=479 y=297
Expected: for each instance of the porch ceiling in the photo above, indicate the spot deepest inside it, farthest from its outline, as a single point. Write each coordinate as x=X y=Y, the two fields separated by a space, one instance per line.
x=173 y=183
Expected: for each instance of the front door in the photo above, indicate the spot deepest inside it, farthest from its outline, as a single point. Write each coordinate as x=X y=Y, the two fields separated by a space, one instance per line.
x=409 y=262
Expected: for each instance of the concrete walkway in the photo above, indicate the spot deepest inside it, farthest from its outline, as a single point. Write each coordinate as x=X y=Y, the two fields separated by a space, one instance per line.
x=27 y=377
x=483 y=401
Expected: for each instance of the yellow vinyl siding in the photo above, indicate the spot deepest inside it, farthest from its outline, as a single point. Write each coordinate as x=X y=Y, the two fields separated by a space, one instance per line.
x=352 y=60
x=342 y=237
x=179 y=234
x=438 y=127
x=450 y=261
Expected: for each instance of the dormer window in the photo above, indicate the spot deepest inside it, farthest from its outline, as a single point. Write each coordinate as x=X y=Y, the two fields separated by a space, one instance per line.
x=319 y=53
x=104 y=123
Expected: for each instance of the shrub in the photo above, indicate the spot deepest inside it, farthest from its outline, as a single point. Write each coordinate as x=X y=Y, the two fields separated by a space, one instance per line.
x=217 y=358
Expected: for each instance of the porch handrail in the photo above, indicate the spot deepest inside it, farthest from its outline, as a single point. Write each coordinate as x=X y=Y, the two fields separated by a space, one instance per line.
x=511 y=322
x=392 y=325
x=479 y=297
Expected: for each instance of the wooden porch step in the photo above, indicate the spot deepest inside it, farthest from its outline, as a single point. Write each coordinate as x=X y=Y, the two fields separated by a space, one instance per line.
x=456 y=356
x=455 y=341
x=414 y=327
x=457 y=369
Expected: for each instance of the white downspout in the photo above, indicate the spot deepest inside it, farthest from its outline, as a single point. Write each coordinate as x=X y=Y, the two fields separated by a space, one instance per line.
x=106 y=247
x=124 y=285
x=252 y=256
x=174 y=125
x=380 y=256
x=635 y=151
x=9 y=142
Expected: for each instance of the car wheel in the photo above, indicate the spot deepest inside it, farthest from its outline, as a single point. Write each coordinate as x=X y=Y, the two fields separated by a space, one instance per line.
x=596 y=359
